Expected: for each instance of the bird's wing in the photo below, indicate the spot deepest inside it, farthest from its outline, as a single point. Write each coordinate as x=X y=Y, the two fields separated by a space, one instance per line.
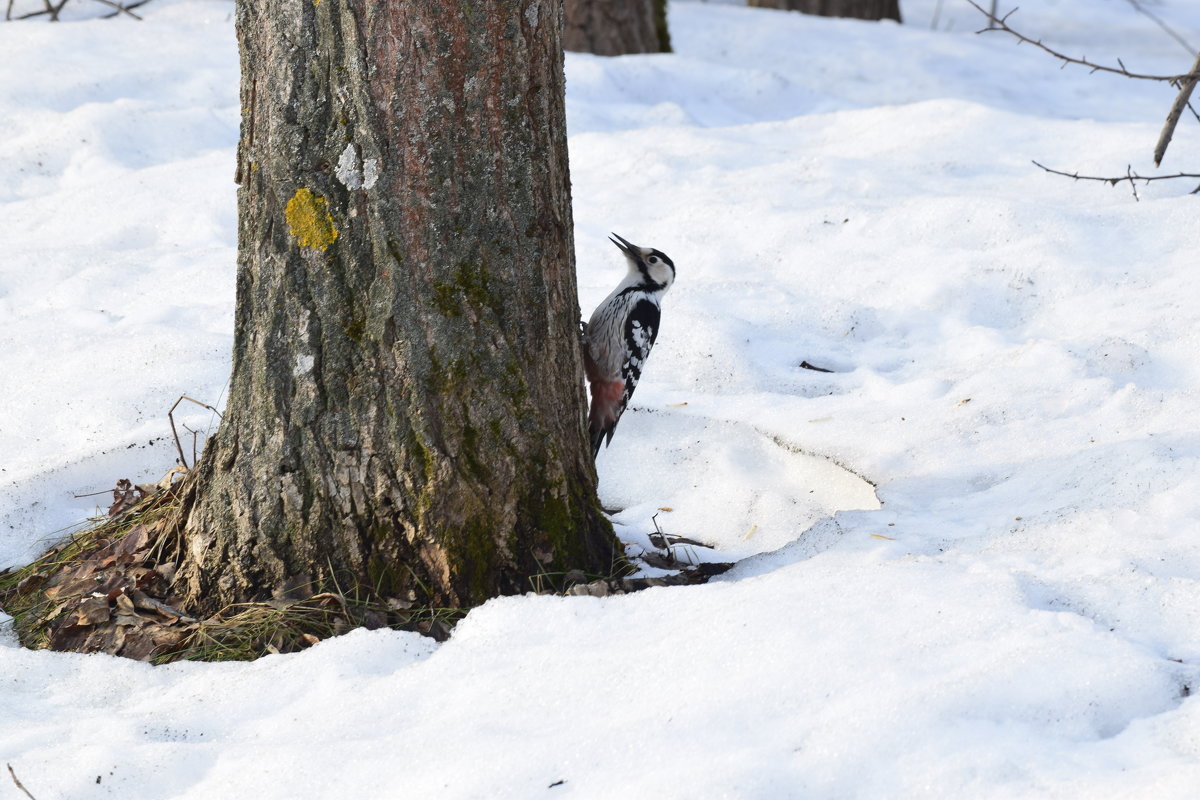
x=610 y=396
x=641 y=329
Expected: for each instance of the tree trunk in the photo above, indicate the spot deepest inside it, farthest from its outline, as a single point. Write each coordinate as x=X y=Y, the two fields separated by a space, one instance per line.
x=857 y=9
x=616 y=27
x=406 y=412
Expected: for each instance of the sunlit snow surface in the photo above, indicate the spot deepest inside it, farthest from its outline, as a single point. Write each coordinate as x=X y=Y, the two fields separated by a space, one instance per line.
x=1014 y=366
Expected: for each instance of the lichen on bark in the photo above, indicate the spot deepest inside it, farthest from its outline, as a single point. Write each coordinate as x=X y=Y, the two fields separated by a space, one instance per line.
x=309 y=221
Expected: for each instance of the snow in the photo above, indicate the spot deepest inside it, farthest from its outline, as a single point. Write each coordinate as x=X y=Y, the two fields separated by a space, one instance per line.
x=970 y=553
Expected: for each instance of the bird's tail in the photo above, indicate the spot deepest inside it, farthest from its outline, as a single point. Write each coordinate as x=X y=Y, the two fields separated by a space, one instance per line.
x=605 y=410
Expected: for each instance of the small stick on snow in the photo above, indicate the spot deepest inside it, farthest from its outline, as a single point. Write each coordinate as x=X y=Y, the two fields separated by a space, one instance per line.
x=18 y=782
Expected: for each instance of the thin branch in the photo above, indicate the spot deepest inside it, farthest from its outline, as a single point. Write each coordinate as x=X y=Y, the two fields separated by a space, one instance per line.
x=1192 y=109
x=127 y=8
x=92 y=494
x=18 y=783
x=1001 y=24
x=1129 y=175
x=171 y=418
x=195 y=437
x=120 y=9
x=1157 y=21
x=1181 y=102
x=54 y=10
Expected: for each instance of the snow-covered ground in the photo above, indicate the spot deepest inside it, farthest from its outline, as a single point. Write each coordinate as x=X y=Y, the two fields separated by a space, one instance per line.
x=1015 y=370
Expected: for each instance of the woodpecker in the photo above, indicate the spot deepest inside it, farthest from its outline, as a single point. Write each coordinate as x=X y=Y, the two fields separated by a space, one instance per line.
x=618 y=338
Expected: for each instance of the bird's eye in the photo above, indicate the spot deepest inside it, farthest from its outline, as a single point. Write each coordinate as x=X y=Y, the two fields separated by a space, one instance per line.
x=653 y=259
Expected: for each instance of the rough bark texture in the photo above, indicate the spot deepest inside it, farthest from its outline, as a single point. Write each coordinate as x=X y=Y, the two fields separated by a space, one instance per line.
x=406 y=412
x=616 y=27
x=858 y=9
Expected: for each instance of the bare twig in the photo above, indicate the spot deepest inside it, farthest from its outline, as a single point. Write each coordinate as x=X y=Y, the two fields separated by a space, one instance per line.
x=54 y=10
x=120 y=9
x=171 y=418
x=1157 y=21
x=1001 y=24
x=1192 y=109
x=128 y=7
x=195 y=437
x=1181 y=102
x=92 y=494
x=18 y=782
x=1129 y=175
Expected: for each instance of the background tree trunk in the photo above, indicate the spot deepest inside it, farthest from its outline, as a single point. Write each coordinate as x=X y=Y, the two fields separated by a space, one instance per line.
x=858 y=9
x=406 y=411
x=616 y=27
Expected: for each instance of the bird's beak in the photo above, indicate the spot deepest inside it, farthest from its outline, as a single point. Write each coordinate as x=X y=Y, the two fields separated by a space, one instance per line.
x=627 y=247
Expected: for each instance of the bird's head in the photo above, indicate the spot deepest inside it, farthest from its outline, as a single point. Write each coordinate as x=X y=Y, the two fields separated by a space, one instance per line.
x=654 y=266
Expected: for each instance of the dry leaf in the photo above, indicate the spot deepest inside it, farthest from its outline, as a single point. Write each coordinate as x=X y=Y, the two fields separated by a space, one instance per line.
x=325 y=598
x=125 y=604
x=125 y=497
x=169 y=478
x=30 y=582
x=136 y=539
x=167 y=571
x=92 y=611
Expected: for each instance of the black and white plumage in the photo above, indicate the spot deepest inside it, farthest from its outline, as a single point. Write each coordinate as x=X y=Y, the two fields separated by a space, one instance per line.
x=620 y=335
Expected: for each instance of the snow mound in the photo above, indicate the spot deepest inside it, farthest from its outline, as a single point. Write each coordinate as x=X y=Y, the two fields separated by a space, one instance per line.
x=726 y=484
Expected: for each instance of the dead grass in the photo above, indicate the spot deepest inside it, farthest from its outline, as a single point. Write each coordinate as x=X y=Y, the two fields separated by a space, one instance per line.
x=108 y=589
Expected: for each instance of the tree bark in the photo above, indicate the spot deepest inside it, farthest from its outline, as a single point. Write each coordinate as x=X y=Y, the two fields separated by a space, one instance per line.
x=616 y=27
x=857 y=9
x=406 y=412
